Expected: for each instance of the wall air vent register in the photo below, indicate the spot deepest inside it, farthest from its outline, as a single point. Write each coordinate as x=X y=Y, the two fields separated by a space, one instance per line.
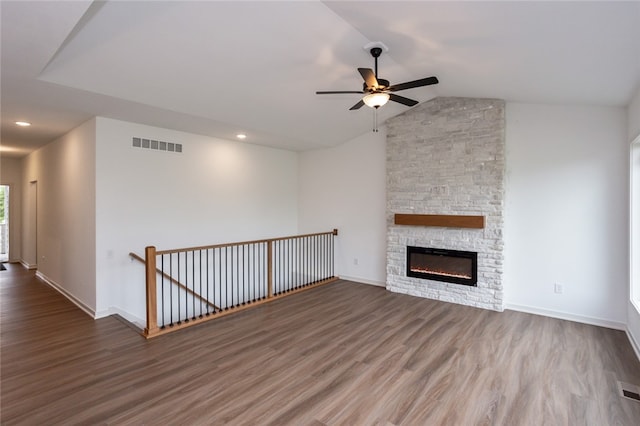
x=157 y=145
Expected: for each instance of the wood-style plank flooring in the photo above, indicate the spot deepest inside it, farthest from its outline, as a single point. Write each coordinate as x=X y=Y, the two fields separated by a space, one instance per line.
x=342 y=354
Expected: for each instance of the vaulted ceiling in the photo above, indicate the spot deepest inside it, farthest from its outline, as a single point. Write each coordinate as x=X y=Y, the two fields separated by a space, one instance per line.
x=219 y=68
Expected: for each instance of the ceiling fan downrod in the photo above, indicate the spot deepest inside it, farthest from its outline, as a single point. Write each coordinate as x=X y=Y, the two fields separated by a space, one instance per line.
x=376 y=52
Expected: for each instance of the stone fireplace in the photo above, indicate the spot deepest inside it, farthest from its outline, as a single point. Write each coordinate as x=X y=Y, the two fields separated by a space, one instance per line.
x=446 y=157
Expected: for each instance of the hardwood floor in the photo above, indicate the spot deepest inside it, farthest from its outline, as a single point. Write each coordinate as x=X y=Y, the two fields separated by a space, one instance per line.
x=342 y=354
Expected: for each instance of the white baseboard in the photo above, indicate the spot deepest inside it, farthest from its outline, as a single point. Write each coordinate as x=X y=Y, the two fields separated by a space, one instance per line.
x=28 y=265
x=103 y=314
x=134 y=320
x=634 y=344
x=569 y=317
x=137 y=322
x=79 y=303
x=363 y=281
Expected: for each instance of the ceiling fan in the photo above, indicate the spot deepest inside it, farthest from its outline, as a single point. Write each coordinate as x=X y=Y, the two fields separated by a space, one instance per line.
x=378 y=91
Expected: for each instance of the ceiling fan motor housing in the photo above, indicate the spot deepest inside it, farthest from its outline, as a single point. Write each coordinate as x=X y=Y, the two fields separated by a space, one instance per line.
x=382 y=85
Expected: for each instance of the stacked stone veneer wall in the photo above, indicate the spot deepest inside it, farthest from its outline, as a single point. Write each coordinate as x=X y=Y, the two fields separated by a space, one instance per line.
x=446 y=156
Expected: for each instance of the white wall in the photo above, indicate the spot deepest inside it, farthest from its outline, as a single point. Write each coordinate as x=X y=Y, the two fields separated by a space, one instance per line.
x=215 y=191
x=65 y=175
x=633 y=308
x=11 y=174
x=344 y=187
x=567 y=212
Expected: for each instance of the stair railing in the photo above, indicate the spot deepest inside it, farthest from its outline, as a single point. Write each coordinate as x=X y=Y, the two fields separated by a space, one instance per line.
x=188 y=286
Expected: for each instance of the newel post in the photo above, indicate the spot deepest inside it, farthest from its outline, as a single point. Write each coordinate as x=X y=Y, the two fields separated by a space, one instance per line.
x=152 y=303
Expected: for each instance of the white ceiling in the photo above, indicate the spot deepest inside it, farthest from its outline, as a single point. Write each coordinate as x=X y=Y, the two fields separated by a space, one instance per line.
x=218 y=68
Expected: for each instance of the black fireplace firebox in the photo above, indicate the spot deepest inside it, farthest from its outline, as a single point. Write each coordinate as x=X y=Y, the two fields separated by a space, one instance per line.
x=453 y=266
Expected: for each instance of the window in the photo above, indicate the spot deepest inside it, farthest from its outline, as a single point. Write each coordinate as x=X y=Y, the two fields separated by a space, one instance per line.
x=635 y=223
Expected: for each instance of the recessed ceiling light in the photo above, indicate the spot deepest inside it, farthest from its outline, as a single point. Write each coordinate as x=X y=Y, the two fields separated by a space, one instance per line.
x=241 y=136
x=23 y=123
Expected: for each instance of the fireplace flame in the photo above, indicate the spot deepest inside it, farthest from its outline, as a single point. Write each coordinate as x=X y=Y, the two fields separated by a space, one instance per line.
x=436 y=272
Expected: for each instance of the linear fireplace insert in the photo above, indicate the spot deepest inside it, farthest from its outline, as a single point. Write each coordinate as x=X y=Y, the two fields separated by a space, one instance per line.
x=453 y=266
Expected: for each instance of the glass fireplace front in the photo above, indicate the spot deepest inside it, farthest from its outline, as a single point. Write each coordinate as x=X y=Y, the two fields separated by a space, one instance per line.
x=453 y=266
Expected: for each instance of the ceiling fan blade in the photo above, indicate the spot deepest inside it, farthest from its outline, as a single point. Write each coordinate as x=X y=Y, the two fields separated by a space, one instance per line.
x=402 y=100
x=369 y=77
x=411 y=84
x=337 y=92
x=357 y=106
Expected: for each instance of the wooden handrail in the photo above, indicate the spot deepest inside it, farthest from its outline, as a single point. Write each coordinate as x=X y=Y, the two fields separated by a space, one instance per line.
x=268 y=240
x=176 y=282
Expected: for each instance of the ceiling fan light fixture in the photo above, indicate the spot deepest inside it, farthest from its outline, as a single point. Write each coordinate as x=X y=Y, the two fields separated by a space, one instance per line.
x=376 y=100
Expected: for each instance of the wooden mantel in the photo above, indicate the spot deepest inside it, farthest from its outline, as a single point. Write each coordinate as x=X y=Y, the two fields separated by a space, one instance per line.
x=445 y=220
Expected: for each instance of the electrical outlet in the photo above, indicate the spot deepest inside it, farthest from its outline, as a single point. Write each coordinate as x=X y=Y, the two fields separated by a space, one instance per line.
x=557 y=288
x=355 y=261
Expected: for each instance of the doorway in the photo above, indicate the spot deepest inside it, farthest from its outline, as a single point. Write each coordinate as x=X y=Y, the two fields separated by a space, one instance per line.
x=634 y=259
x=4 y=223
x=30 y=227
